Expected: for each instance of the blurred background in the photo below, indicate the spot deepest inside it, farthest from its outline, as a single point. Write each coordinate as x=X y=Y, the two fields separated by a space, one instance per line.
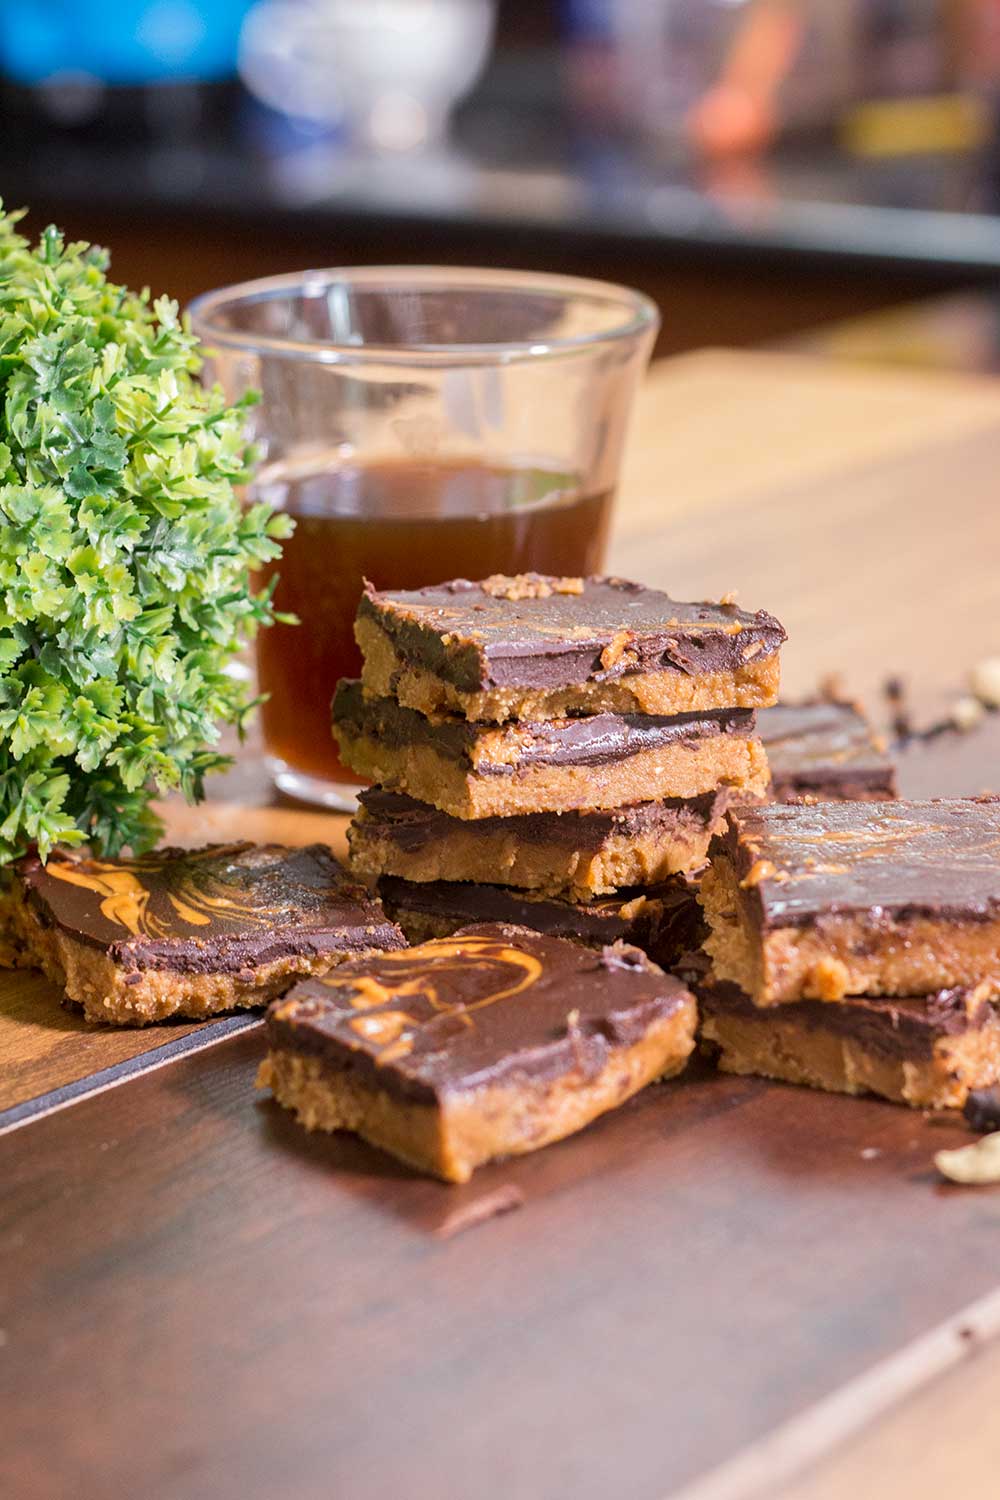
x=762 y=168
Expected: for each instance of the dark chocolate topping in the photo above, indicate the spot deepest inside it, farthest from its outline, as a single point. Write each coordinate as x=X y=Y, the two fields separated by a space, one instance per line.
x=894 y=1028
x=221 y=908
x=412 y=825
x=823 y=747
x=500 y=750
x=663 y=920
x=626 y=916
x=488 y=1005
x=479 y=635
x=899 y=859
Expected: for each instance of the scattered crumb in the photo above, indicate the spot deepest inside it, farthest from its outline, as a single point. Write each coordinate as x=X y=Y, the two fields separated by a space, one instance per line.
x=871 y=1153
x=503 y=1200
x=902 y=721
x=985 y=681
x=975 y=1165
x=967 y=713
x=729 y=598
x=982 y=1110
x=833 y=688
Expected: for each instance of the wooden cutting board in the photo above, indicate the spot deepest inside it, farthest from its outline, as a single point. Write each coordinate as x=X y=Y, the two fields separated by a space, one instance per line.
x=693 y=1297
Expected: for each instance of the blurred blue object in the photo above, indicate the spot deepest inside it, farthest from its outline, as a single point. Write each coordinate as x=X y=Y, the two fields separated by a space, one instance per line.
x=120 y=42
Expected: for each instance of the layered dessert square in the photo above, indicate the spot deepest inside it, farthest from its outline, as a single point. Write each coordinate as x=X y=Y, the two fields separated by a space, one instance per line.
x=188 y=932
x=664 y=921
x=856 y=898
x=825 y=751
x=580 y=854
x=490 y=1043
x=929 y=1051
x=538 y=647
x=476 y=770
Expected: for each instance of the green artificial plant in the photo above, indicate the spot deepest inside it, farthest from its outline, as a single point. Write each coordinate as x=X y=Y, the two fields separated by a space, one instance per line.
x=125 y=555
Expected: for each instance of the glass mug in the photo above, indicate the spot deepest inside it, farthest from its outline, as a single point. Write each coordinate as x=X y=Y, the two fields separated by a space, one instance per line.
x=420 y=424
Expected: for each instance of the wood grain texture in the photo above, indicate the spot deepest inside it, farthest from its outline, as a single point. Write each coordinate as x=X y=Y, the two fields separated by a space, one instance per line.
x=44 y=1045
x=206 y=1301
x=858 y=506
x=944 y=1440
x=203 y=1300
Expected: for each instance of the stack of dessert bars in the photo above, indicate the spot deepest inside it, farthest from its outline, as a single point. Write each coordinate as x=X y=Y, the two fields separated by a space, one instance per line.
x=551 y=752
x=855 y=946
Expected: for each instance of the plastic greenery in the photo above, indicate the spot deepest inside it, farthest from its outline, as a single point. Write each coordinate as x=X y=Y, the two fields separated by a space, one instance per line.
x=124 y=554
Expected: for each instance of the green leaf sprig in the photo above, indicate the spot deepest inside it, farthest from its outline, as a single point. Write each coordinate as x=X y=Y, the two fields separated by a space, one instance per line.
x=125 y=556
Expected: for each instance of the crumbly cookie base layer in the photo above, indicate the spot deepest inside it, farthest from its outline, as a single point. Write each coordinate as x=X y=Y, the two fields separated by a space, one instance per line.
x=505 y=857
x=776 y=1045
x=385 y=674
x=854 y=953
x=120 y=997
x=678 y=769
x=451 y=1138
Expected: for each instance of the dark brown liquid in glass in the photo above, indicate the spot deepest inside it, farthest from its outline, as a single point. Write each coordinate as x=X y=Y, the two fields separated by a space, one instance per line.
x=401 y=525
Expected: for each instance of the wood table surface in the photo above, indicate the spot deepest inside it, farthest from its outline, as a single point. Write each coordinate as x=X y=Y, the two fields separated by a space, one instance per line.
x=726 y=1289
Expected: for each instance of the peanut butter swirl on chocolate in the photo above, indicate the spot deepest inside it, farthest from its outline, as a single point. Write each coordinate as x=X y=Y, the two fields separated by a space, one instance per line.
x=936 y=859
x=489 y=1005
x=224 y=906
x=663 y=920
x=533 y=631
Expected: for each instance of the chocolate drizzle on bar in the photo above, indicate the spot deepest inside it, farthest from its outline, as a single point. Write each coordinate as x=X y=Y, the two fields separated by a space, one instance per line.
x=935 y=859
x=489 y=1004
x=224 y=907
x=479 y=636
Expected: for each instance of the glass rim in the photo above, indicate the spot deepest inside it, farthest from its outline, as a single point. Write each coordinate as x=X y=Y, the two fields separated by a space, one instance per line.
x=639 y=315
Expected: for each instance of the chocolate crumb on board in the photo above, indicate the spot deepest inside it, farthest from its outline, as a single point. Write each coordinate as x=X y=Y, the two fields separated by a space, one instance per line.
x=982 y=1110
x=503 y=1200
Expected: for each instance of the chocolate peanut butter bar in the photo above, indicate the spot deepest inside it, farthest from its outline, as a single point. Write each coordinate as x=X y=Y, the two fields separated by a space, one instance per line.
x=537 y=647
x=184 y=932
x=605 y=760
x=928 y=1052
x=856 y=898
x=490 y=1043
x=825 y=751
x=577 y=854
x=664 y=921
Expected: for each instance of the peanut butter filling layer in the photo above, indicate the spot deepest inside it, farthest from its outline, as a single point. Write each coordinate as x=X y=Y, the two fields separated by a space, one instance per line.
x=784 y=1046
x=753 y=684
x=577 y=855
x=467 y=1128
x=678 y=769
x=843 y=953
